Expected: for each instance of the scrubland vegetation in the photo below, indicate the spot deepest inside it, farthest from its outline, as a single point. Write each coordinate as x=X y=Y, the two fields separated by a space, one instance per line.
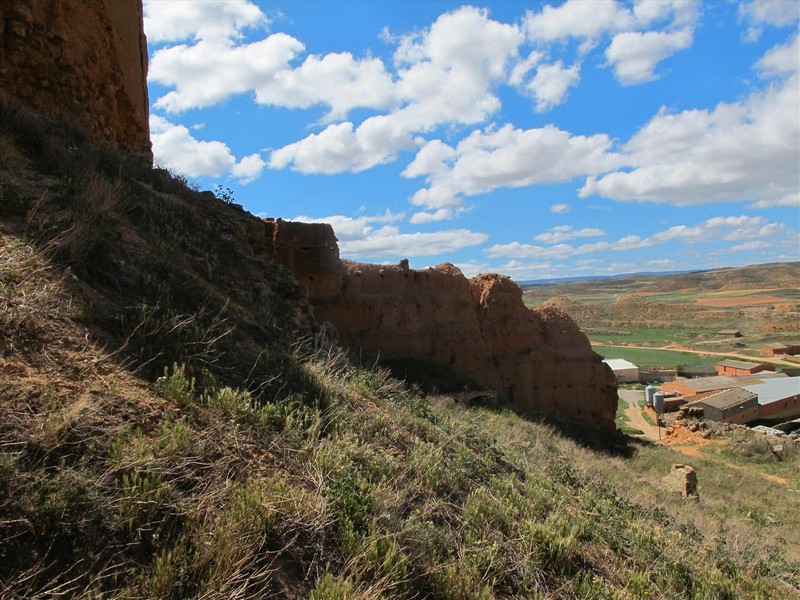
x=169 y=429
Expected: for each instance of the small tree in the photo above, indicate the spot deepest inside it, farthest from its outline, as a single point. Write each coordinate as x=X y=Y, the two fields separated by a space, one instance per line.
x=678 y=367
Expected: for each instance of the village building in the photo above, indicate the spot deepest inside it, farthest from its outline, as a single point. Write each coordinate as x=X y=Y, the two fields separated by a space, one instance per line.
x=702 y=387
x=735 y=405
x=779 y=349
x=777 y=398
x=625 y=371
x=730 y=333
x=655 y=374
x=737 y=368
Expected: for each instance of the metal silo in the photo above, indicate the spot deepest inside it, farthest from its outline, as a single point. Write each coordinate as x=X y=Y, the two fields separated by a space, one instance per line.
x=658 y=402
x=649 y=392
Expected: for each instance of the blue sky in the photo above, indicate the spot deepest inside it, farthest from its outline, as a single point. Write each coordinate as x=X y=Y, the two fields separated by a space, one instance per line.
x=587 y=137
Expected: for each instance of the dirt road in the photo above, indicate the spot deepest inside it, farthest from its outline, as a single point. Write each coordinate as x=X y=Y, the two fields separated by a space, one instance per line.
x=634 y=412
x=756 y=359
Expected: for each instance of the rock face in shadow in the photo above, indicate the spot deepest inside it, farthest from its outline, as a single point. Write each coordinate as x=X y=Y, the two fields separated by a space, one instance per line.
x=83 y=60
x=537 y=359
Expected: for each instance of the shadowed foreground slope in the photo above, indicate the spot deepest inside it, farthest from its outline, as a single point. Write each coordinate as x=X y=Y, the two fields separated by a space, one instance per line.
x=257 y=466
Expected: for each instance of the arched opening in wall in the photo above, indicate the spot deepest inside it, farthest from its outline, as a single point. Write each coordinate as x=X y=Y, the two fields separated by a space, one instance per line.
x=482 y=399
x=511 y=389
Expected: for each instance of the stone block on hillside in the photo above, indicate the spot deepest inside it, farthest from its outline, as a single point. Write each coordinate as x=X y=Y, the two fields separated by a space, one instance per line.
x=682 y=479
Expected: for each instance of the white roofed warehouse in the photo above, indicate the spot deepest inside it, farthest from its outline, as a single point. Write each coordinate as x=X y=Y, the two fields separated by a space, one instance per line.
x=625 y=371
x=777 y=398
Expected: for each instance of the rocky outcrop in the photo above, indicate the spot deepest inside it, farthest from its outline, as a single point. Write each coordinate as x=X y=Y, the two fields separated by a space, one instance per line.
x=537 y=359
x=83 y=60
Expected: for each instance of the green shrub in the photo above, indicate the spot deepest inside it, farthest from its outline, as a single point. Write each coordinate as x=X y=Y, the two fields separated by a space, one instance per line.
x=176 y=385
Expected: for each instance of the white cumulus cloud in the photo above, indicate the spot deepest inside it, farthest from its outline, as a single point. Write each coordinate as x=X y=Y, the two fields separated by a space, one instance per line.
x=716 y=229
x=337 y=80
x=509 y=157
x=172 y=20
x=634 y=55
x=443 y=214
x=217 y=65
x=745 y=150
x=175 y=148
x=578 y=19
x=372 y=236
x=211 y=71
x=388 y=241
x=341 y=147
x=775 y=13
x=445 y=75
x=781 y=60
x=352 y=228
x=771 y=12
x=562 y=233
x=550 y=84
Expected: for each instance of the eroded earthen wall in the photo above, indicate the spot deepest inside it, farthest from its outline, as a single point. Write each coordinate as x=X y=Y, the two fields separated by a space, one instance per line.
x=539 y=360
x=84 y=60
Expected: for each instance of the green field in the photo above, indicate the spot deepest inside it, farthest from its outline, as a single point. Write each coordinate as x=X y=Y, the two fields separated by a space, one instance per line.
x=659 y=336
x=647 y=357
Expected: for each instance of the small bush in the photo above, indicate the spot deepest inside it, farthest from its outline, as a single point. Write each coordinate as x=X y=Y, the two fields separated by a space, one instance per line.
x=176 y=385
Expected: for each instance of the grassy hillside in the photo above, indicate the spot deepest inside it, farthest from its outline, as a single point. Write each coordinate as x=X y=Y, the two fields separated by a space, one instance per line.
x=169 y=430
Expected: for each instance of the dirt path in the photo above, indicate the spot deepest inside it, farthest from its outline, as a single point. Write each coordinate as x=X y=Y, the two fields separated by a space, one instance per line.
x=634 y=412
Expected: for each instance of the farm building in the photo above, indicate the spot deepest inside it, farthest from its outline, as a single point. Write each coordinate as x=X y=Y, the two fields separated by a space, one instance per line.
x=730 y=333
x=651 y=375
x=730 y=406
x=777 y=398
x=703 y=387
x=737 y=368
x=625 y=371
x=779 y=349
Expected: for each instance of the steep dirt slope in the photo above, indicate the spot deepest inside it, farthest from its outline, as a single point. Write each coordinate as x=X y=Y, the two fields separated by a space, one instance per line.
x=169 y=273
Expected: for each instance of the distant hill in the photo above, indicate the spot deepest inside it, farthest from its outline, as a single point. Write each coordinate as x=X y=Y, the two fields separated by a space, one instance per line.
x=687 y=309
x=547 y=280
x=785 y=274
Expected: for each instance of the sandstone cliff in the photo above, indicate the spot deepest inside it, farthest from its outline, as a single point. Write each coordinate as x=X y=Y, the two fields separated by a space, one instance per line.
x=84 y=60
x=538 y=360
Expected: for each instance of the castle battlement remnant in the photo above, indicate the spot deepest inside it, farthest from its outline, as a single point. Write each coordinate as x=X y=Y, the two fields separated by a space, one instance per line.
x=538 y=360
